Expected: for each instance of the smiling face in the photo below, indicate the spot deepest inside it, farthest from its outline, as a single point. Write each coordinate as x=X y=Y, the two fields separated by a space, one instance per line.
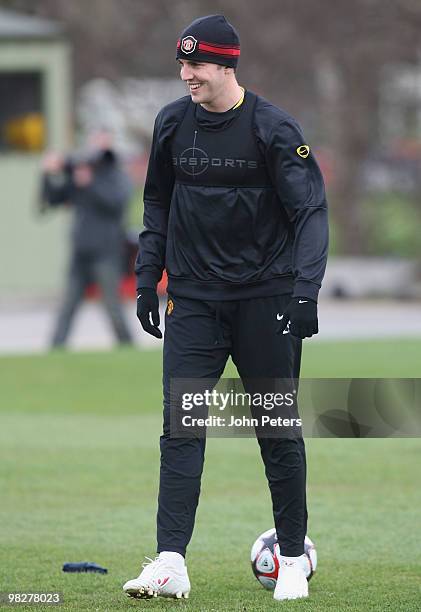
x=206 y=82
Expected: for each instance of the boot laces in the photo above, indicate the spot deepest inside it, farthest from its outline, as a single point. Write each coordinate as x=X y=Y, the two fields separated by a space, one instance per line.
x=151 y=566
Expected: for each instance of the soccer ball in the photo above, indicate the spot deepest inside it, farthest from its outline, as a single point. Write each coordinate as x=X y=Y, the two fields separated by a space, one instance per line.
x=265 y=565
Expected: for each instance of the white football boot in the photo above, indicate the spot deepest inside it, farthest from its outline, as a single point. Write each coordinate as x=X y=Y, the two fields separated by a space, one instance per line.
x=166 y=576
x=292 y=582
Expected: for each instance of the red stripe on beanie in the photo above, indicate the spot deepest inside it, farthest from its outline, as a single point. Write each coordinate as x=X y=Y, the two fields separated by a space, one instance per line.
x=221 y=45
x=230 y=51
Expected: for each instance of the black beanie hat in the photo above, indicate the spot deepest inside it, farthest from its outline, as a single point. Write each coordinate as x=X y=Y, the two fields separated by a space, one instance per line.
x=210 y=39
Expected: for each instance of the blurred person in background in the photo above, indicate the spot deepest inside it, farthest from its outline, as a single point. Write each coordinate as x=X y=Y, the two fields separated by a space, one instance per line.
x=94 y=184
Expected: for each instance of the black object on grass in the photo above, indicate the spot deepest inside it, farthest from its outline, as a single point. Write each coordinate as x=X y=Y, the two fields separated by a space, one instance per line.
x=84 y=566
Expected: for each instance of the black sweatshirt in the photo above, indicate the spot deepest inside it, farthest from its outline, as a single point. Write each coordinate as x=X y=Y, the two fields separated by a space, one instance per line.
x=234 y=204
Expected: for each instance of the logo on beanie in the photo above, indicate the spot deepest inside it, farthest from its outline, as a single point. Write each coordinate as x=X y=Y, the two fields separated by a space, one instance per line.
x=188 y=44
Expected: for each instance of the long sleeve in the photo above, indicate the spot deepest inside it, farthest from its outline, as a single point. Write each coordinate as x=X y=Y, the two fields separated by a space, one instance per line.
x=300 y=188
x=150 y=261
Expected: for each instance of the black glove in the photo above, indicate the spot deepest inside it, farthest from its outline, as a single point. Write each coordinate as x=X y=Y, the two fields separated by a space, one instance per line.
x=299 y=318
x=148 y=305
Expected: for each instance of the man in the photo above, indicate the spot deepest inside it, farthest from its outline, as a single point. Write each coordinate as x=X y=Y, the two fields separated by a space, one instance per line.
x=235 y=211
x=98 y=190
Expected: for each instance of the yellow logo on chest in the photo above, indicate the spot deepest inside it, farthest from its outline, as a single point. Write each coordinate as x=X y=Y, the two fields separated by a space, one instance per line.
x=303 y=151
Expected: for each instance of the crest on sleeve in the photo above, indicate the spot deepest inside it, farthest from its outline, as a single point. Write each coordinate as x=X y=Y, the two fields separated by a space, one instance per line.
x=303 y=151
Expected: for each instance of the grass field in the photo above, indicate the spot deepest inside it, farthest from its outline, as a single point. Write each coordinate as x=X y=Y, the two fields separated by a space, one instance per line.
x=79 y=467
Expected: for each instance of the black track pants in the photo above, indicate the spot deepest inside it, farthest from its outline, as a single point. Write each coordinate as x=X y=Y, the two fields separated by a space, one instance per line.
x=199 y=337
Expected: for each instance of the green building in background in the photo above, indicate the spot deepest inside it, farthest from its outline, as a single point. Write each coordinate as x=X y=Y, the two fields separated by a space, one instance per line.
x=35 y=115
